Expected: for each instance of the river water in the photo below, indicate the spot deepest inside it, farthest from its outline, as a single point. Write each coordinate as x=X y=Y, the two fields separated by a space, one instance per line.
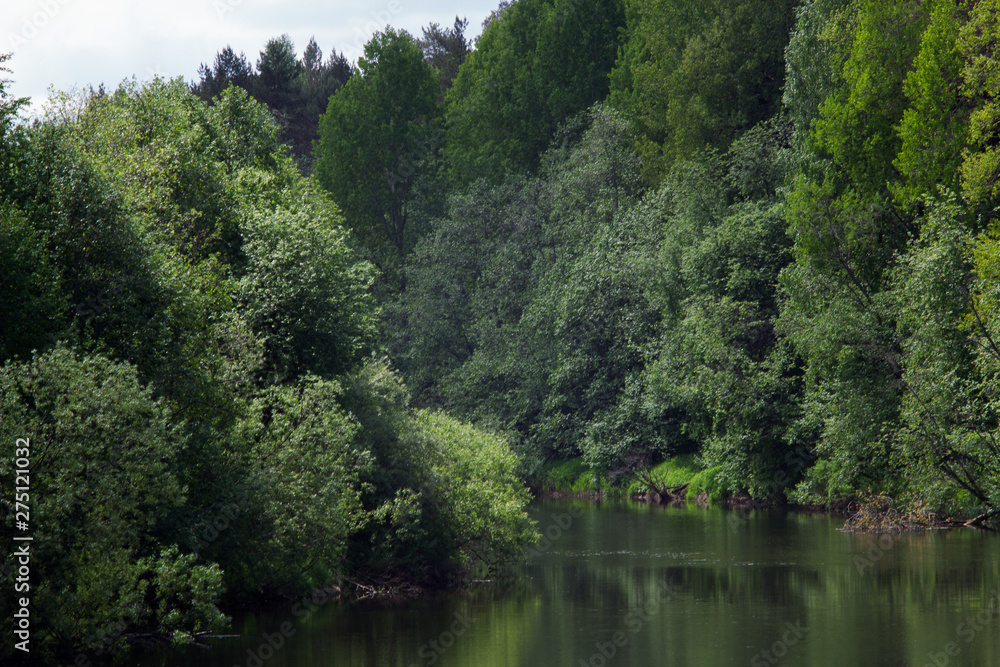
x=621 y=583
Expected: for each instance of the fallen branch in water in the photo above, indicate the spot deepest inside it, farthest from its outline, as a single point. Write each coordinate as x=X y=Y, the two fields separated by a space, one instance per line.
x=383 y=586
x=878 y=514
x=980 y=521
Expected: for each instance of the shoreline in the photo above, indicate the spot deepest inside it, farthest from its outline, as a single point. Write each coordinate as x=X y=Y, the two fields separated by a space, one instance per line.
x=743 y=502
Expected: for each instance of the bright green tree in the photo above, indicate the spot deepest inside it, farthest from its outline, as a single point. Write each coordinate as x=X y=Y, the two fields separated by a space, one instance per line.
x=858 y=120
x=934 y=128
x=303 y=290
x=980 y=83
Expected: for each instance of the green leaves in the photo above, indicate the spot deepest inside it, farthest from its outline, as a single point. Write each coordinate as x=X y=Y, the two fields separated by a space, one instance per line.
x=981 y=80
x=104 y=478
x=857 y=123
x=695 y=75
x=302 y=503
x=474 y=478
x=934 y=128
x=537 y=65
x=376 y=137
x=199 y=321
x=32 y=302
x=303 y=291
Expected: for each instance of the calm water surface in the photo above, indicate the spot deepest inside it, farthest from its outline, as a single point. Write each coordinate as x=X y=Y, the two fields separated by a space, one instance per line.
x=620 y=583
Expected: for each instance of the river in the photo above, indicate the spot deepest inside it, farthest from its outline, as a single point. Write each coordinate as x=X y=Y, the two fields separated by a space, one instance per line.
x=622 y=583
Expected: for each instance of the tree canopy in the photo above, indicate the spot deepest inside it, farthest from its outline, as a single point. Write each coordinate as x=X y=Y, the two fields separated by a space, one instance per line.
x=354 y=309
x=376 y=137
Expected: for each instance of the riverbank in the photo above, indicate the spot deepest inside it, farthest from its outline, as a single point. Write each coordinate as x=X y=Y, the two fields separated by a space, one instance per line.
x=682 y=480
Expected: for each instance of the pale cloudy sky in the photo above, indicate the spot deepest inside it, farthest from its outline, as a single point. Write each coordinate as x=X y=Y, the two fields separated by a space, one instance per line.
x=75 y=43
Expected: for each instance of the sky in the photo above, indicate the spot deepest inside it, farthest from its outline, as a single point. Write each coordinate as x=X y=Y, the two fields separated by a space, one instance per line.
x=71 y=44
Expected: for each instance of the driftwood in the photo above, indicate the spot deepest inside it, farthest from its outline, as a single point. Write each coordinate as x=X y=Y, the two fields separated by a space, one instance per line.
x=656 y=490
x=162 y=640
x=666 y=494
x=382 y=585
x=980 y=521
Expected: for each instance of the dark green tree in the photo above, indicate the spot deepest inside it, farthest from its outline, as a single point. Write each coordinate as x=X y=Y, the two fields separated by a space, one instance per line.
x=445 y=49
x=229 y=69
x=278 y=71
x=318 y=81
x=32 y=302
x=376 y=137
x=537 y=63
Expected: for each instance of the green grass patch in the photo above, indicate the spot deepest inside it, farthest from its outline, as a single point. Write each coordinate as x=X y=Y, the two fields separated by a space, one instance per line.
x=709 y=482
x=572 y=476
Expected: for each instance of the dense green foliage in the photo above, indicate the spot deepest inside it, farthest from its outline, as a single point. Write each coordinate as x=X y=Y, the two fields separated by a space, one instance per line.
x=694 y=74
x=375 y=140
x=771 y=246
x=294 y=89
x=189 y=344
x=750 y=245
x=537 y=63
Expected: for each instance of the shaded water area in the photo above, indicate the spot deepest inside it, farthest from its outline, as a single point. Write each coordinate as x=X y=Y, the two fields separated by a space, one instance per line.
x=621 y=583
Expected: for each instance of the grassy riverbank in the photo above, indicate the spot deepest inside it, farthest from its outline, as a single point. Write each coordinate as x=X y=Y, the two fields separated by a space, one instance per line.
x=574 y=477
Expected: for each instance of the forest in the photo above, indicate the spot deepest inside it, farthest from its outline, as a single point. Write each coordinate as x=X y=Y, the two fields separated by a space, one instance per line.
x=303 y=323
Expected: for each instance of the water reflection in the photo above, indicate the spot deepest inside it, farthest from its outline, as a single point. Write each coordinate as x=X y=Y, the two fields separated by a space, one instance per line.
x=636 y=585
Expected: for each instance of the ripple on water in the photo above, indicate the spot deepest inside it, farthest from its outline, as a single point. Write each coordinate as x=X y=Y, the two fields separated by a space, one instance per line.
x=672 y=555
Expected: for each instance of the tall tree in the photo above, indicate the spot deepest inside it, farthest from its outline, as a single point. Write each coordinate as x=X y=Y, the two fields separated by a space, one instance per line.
x=981 y=83
x=375 y=138
x=445 y=49
x=537 y=63
x=229 y=69
x=277 y=72
x=934 y=129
